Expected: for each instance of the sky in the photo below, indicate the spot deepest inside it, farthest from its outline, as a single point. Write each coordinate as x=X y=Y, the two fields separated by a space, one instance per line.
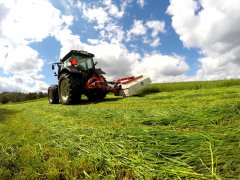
x=166 y=40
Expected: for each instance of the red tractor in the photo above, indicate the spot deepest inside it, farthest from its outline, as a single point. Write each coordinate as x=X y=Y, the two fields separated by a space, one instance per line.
x=77 y=75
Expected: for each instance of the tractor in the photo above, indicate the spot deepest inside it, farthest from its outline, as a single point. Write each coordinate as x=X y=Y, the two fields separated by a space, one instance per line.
x=78 y=75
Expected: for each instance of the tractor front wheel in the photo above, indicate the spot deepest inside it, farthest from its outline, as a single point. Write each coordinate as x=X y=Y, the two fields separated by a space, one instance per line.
x=69 y=89
x=53 y=96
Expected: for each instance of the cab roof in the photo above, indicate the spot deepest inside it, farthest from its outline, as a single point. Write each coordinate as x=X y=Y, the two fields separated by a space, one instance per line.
x=76 y=52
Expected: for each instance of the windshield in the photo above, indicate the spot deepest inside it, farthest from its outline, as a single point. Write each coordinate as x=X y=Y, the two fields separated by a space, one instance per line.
x=84 y=62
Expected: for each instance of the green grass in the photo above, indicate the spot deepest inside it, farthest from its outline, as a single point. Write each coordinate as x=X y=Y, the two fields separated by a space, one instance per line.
x=195 y=85
x=182 y=134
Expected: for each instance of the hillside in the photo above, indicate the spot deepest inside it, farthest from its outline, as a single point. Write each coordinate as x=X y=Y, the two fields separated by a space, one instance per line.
x=182 y=134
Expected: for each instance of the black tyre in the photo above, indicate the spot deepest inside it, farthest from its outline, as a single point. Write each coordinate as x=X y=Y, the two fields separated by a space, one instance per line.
x=53 y=96
x=96 y=95
x=69 y=89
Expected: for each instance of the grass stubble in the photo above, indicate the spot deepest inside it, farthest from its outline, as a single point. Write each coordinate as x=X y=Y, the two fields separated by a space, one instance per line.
x=181 y=134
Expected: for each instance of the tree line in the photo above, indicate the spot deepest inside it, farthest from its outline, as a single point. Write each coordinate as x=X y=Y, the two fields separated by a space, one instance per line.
x=6 y=97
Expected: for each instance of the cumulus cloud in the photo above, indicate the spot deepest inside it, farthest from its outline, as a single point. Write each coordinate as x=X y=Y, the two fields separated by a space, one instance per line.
x=156 y=26
x=104 y=13
x=97 y=14
x=18 y=83
x=112 y=33
x=117 y=62
x=111 y=53
x=210 y=26
x=3 y=13
x=161 y=68
x=115 y=59
x=114 y=10
x=68 y=41
x=106 y=16
x=155 y=42
x=12 y=84
x=141 y=3
x=25 y=22
x=138 y=28
x=21 y=60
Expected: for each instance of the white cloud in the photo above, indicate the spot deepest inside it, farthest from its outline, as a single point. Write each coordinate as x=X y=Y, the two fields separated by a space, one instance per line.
x=114 y=10
x=21 y=60
x=93 y=41
x=26 y=21
x=141 y=3
x=162 y=68
x=112 y=33
x=39 y=86
x=68 y=41
x=155 y=42
x=106 y=16
x=22 y=23
x=112 y=55
x=138 y=28
x=18 y=83
x=3 y=13
x=223 y=67
x=23 y=64
x=11 y=85
x=94 y=14
x=117 y=61
x=114 y=59
x=211 y=26
x=156 y=26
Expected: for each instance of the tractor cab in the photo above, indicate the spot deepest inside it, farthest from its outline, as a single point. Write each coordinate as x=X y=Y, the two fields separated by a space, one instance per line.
x=78 y=60
x=83 y=62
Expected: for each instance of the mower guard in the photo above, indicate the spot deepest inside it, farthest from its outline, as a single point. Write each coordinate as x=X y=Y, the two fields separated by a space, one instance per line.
x=132 y=85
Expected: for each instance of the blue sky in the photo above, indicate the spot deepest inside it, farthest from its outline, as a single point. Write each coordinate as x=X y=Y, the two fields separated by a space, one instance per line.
x=167 y=40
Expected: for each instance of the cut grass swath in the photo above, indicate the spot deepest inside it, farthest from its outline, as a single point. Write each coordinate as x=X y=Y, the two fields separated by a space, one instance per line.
x=182 y=134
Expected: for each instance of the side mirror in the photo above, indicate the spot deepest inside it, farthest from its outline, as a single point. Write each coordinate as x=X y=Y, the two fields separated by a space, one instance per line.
x=95 y=63
x=53 y=66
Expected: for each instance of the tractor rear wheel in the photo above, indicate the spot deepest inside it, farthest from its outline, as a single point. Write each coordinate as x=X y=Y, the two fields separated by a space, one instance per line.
x=53 y=96
x=69 y=89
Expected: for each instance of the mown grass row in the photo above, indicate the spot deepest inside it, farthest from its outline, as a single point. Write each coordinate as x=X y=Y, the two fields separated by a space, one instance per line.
x=188 y=134
x=195 y=85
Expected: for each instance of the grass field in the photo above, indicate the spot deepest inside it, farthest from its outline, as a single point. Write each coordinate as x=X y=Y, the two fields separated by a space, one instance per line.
x=186 y=133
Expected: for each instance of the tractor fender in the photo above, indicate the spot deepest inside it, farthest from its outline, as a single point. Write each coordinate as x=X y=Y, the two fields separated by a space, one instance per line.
x=95 y=78
x=99 y=71
x=70 y=69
